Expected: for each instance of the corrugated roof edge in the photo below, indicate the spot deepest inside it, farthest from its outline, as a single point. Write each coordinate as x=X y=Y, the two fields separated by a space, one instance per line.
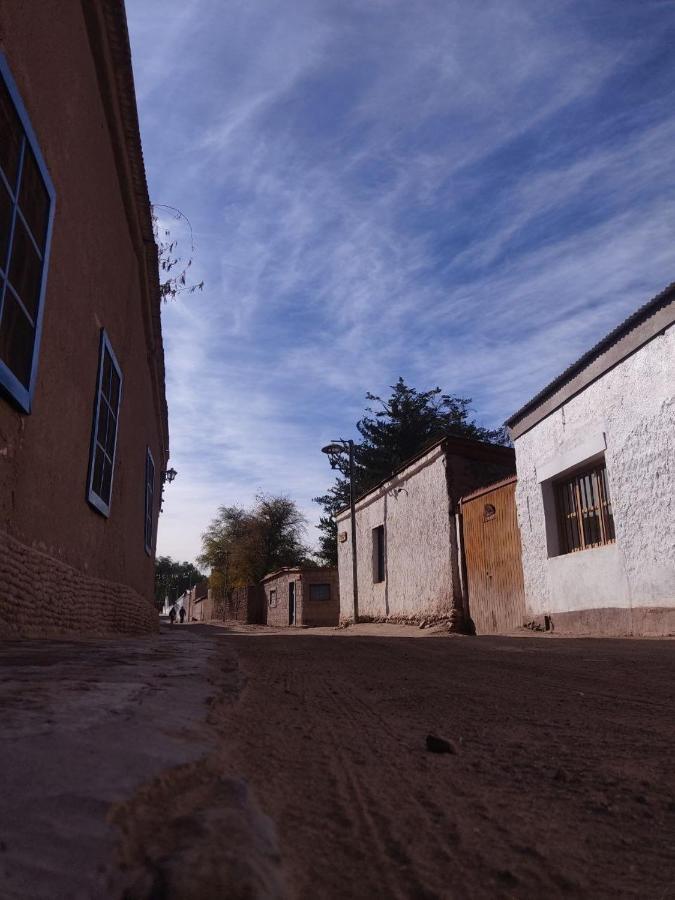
x=645 y=312
x=448 y=440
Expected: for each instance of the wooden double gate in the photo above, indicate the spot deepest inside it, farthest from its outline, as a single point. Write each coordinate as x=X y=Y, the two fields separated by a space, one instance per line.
x=492 y=553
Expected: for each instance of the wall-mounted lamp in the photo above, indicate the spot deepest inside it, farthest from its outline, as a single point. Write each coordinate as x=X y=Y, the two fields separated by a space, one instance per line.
x=169 y=476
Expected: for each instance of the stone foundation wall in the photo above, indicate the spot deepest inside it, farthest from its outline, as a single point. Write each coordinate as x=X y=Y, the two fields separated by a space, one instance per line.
x=43 y=597
x=639 y=621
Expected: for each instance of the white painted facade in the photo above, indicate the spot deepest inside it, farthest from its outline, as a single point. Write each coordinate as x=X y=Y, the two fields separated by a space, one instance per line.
x=626 y=416
x=420 y=545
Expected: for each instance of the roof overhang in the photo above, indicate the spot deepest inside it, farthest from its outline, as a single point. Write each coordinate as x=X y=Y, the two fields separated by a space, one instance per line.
x=651 y=320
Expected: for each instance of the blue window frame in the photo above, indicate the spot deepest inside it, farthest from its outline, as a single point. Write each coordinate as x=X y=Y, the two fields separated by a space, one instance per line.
x=104 y=431
x=27 y=201
x=149 y=499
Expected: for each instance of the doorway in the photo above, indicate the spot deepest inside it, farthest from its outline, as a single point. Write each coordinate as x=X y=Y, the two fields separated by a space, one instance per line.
x=291 y=603
x=493 y=558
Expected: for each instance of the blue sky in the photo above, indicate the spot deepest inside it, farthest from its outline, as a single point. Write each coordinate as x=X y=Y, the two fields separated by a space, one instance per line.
x=468 y=194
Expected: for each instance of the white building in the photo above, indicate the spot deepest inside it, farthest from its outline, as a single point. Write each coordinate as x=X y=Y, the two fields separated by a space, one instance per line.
x=406 y=534
x=595 y=454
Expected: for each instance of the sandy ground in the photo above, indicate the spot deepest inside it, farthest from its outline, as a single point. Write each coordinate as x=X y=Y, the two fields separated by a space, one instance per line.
x=562 y=782
x=248 y=763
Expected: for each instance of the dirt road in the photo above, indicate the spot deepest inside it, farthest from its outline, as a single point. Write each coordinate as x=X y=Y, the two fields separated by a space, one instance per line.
x=209 y=763
x=562 y=782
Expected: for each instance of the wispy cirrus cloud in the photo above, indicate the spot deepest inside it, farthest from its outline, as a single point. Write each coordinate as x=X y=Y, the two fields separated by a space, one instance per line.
x=465 y=194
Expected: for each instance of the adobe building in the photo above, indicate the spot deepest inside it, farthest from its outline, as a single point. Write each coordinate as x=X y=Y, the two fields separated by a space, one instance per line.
x=83 y=419
x=408 y=538
x=302 y=596
x=595 y=452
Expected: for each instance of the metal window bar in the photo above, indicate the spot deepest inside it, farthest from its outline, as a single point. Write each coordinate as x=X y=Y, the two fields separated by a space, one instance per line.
x=584 y=509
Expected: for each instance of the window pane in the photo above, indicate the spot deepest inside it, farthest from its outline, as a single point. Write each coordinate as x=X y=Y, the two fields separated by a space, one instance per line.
x=106 y=480
x=102 y=427
x=114 y=393
x=34 y=199
x=98 y=471
x=16 y=339
x=5 y=224
x=11 y=132
x=25 y=268
x=105 y=378
x=319 y=592
x=112 y=431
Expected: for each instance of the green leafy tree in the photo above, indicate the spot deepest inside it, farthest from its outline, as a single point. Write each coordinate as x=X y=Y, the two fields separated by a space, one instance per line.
x=393 y=430
x=241 y=546
x=172 y=578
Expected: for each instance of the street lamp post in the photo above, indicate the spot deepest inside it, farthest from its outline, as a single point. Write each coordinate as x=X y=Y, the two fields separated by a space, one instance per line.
x=333 y=450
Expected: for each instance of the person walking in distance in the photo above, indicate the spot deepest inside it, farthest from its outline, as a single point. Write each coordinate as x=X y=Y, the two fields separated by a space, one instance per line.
x=182 y=614
x=172 y=615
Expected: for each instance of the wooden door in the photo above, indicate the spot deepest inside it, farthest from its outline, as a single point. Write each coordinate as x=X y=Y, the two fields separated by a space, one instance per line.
x=492 y=552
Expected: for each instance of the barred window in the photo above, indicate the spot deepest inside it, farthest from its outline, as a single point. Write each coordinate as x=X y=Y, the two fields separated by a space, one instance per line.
x=26 y=215
x=584 y=508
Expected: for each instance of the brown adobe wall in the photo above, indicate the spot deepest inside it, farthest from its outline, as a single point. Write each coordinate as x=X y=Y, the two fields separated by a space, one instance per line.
x=95 y=280
x=43 y=597
x=278 y=616
x=319 y=613
x=244 y=604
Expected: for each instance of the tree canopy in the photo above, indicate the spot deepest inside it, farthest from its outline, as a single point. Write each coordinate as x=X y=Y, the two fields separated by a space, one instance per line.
x=392 y=430
x=172 y=578
x=241 y=545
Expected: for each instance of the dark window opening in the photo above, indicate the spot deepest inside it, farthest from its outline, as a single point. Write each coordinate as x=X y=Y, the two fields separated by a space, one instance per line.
x=378 y=554
x=26 y=213
x=584 y=508
x=319 y=592
x=273 y=597
x=104 y=434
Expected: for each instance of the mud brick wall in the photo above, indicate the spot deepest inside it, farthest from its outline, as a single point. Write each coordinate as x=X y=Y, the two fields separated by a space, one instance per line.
x=40 y=596
x=244 y=604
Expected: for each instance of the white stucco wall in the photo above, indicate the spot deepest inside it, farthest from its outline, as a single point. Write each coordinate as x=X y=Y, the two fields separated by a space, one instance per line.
x=418 y=572
x=630 y=411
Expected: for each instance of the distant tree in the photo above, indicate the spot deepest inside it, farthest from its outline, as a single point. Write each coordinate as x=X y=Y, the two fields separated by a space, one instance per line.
x=174 y=268
x=172 y=578
x=241 y=546
x=393 y=430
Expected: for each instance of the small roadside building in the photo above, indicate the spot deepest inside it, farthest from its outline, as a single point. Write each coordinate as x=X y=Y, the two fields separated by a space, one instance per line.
x=302 y=596
x=408 y=534
x=595 y=453
x=84 y=439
